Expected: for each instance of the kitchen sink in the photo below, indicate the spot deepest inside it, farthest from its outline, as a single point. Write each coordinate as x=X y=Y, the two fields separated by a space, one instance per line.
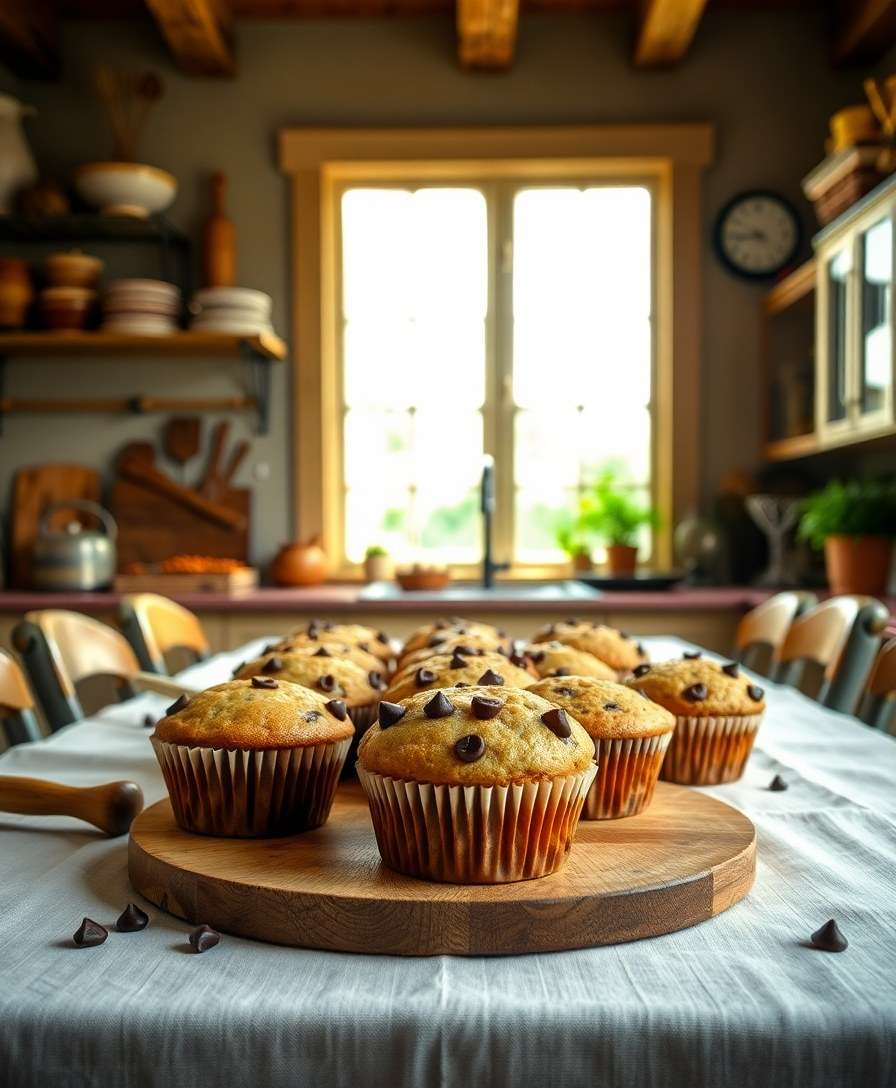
x=515 y=591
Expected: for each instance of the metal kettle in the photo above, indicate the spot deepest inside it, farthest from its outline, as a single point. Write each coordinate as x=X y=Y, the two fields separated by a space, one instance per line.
x=74 y=558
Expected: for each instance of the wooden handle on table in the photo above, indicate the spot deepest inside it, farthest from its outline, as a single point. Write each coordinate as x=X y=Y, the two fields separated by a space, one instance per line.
x=111 y=807
x=212 y=476
x=162 y=685
x=139 y=473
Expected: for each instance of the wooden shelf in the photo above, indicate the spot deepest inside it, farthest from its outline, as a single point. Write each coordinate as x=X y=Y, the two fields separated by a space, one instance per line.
x=90 y=227
x=790 y=449
x=799 y=284
x=264 y=346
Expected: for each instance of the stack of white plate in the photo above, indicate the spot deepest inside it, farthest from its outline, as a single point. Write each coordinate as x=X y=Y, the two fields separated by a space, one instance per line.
x=141 y=307
x=238 y=310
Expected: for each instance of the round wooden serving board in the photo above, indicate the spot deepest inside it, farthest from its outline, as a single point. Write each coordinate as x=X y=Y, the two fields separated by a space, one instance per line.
x=687 y=858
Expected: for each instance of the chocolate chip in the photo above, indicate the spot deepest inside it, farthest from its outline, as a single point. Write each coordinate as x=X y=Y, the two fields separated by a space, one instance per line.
x=312 y=715
x=732 y=669
x=132 y=919
x=612 y=706
x=390 y=713
x=557 y=721
x=438 y=706
x=691 y=655
x=465 y=651
x=382 y=638
x=322 y=652
x=568 y=692
x=365 y=646
x=239 y=668
x=376 y=681
x=458 y=661
x=424 y=676
x=437 y=640
x=829 y=938
x=89 y=934
x=519 y=660
x=203 y=938
x=178 y=705
x=273 y=664
x=470 y=748
x=461 y=684
x=562 y=671
x=503 y=651
x=267 y=682
x=148 y=721
x=327 y=682
x=640 y=670
x=639 y=649
x=755 y=692
x=337 y=708
x=484 y=708
x=777 y=784
x=623 y=634
x=491 y=679
x=537 y=656
x=696 y=693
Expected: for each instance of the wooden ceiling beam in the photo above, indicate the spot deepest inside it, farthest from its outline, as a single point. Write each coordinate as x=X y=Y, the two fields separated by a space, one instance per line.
x=28 y=38
x=666 y=29
x=486 y=33
x=866 y=30
x=198 y=33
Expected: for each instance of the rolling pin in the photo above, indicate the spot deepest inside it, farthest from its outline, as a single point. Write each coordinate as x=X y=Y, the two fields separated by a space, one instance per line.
x=111 y=807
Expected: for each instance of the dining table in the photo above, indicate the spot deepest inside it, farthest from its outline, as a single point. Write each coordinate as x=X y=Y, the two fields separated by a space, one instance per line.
x=740 y=1000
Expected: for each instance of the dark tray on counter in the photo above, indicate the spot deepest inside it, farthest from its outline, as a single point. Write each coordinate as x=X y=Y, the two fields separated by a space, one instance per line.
x=647 y=580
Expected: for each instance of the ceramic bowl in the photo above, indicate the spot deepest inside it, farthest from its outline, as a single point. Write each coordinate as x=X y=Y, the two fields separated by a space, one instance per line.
x=73 y=269
x=125 y=188
x=63 y=308
x=231 y=298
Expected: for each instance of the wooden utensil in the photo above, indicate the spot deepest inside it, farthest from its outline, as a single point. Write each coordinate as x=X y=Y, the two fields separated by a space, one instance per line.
x=212 y=483
x=180 y=440
x=218 y=239
x=35 y=488
x=162 y=685
x=111 y=807
x=237 y=456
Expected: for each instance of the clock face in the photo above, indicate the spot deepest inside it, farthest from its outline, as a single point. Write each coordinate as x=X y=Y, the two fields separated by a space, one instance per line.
x=757 y=234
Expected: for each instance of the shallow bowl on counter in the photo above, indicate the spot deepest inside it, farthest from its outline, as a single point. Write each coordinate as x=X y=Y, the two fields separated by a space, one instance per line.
x=125 y=188
x=419 y=579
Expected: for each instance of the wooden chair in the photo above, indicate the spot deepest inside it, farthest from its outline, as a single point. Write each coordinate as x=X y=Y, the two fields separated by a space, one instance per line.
x=60 y=649
x=18 y=720
x=762 y=631
x=155 y=625
x=842 y=637
x=879 y=701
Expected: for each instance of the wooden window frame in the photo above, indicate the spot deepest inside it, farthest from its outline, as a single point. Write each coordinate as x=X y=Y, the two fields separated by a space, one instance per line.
x=671 y=157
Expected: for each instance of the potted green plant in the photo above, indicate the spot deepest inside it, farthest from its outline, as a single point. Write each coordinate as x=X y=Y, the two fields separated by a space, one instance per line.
x=377 y=566
x=855 y=524
x=610 y=512
x=573 y=538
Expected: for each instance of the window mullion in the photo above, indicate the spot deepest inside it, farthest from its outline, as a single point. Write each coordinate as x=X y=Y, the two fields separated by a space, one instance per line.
x=502 y=402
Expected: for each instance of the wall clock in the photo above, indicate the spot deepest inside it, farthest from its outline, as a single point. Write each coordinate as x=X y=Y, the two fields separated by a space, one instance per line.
x=757 y=234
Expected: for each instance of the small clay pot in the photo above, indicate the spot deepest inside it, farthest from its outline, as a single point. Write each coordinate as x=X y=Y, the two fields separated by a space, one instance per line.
x=858 y=564
x=622 y=560
x=299 y=564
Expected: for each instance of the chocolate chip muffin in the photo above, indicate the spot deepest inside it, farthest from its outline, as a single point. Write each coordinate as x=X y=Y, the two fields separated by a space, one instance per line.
x=457 y=670
x=430 y=635
x=630 y=734
x=327 y=648
x=526 y=766
x=613 y=647
x=466 y=644
x=365 y=638
x=253 y=757
x=718 y=709
x=556 y=659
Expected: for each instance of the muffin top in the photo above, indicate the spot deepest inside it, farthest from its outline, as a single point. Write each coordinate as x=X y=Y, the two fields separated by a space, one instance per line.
x=469 y=644
x=328 y=648
x=449 y=670
x=366 y=638
x=607 y=644
x=695 y=687
x=261 y=712
x=480 y=736
x=431 y=634
x=557 y=659
x=333 y=677
x=607 y=710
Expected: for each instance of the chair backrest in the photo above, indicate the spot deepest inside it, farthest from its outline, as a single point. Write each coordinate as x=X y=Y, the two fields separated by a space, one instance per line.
x=60 y=649
x=154 y=625
x=842 y=636
x=18 y=721
x=879 y=701
x=761 y=632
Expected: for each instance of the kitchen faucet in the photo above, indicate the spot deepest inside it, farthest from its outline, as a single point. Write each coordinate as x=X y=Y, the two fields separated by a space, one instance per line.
x=487 y=505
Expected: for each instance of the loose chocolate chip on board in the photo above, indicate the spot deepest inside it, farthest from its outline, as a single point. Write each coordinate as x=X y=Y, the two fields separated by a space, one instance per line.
x=777 y=784
x=203 y=938
x=424 y=676
x=438 y=706
x=755 y=692
x=829 y=938
x=491 y=679
x=322 y=652
x=273 y=664
x=484 y=708
x=458 y=661
x=337 y=708
x=562 y=671
x=376 y=681
x=696 y=693
x=132 y=919
x=732 y=669
x=557 y=721
x=390 y=713
x=327 y=682
x=267 y=682
x=470 y=748
x=89 y=934
x=640 y=670
x=180 y=702
x=692 y=655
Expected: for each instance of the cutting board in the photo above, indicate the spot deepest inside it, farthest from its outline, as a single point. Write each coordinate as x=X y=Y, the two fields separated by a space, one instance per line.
x=684 y=860
x=151 y=527
x=34 y=489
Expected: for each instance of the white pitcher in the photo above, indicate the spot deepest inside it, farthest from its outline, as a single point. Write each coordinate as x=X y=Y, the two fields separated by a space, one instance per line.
x=17 y=165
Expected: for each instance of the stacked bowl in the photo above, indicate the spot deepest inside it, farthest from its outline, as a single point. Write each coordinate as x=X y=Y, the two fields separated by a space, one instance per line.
x=68 y=300
x=141 y=307
x=239 y=310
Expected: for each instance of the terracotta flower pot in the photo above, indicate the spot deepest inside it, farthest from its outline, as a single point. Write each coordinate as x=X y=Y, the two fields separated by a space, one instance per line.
x=581 y=562
x=622 y=560
x=377 y=568
x=858 y=564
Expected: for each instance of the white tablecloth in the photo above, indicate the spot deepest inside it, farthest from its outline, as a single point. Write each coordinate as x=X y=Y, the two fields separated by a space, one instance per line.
x=738 y=1001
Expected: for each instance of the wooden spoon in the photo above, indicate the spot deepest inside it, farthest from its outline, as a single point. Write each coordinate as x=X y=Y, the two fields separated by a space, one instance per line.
x=180 y=440
x=111 y=807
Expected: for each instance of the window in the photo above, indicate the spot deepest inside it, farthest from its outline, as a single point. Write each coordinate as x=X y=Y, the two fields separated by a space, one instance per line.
x=499 y=316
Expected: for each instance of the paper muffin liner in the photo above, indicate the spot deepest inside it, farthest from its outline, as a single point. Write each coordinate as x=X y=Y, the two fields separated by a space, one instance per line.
x=475 y=834
x=251 y=792
x=627 y=772
x=362 y=718
x=709 y=751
